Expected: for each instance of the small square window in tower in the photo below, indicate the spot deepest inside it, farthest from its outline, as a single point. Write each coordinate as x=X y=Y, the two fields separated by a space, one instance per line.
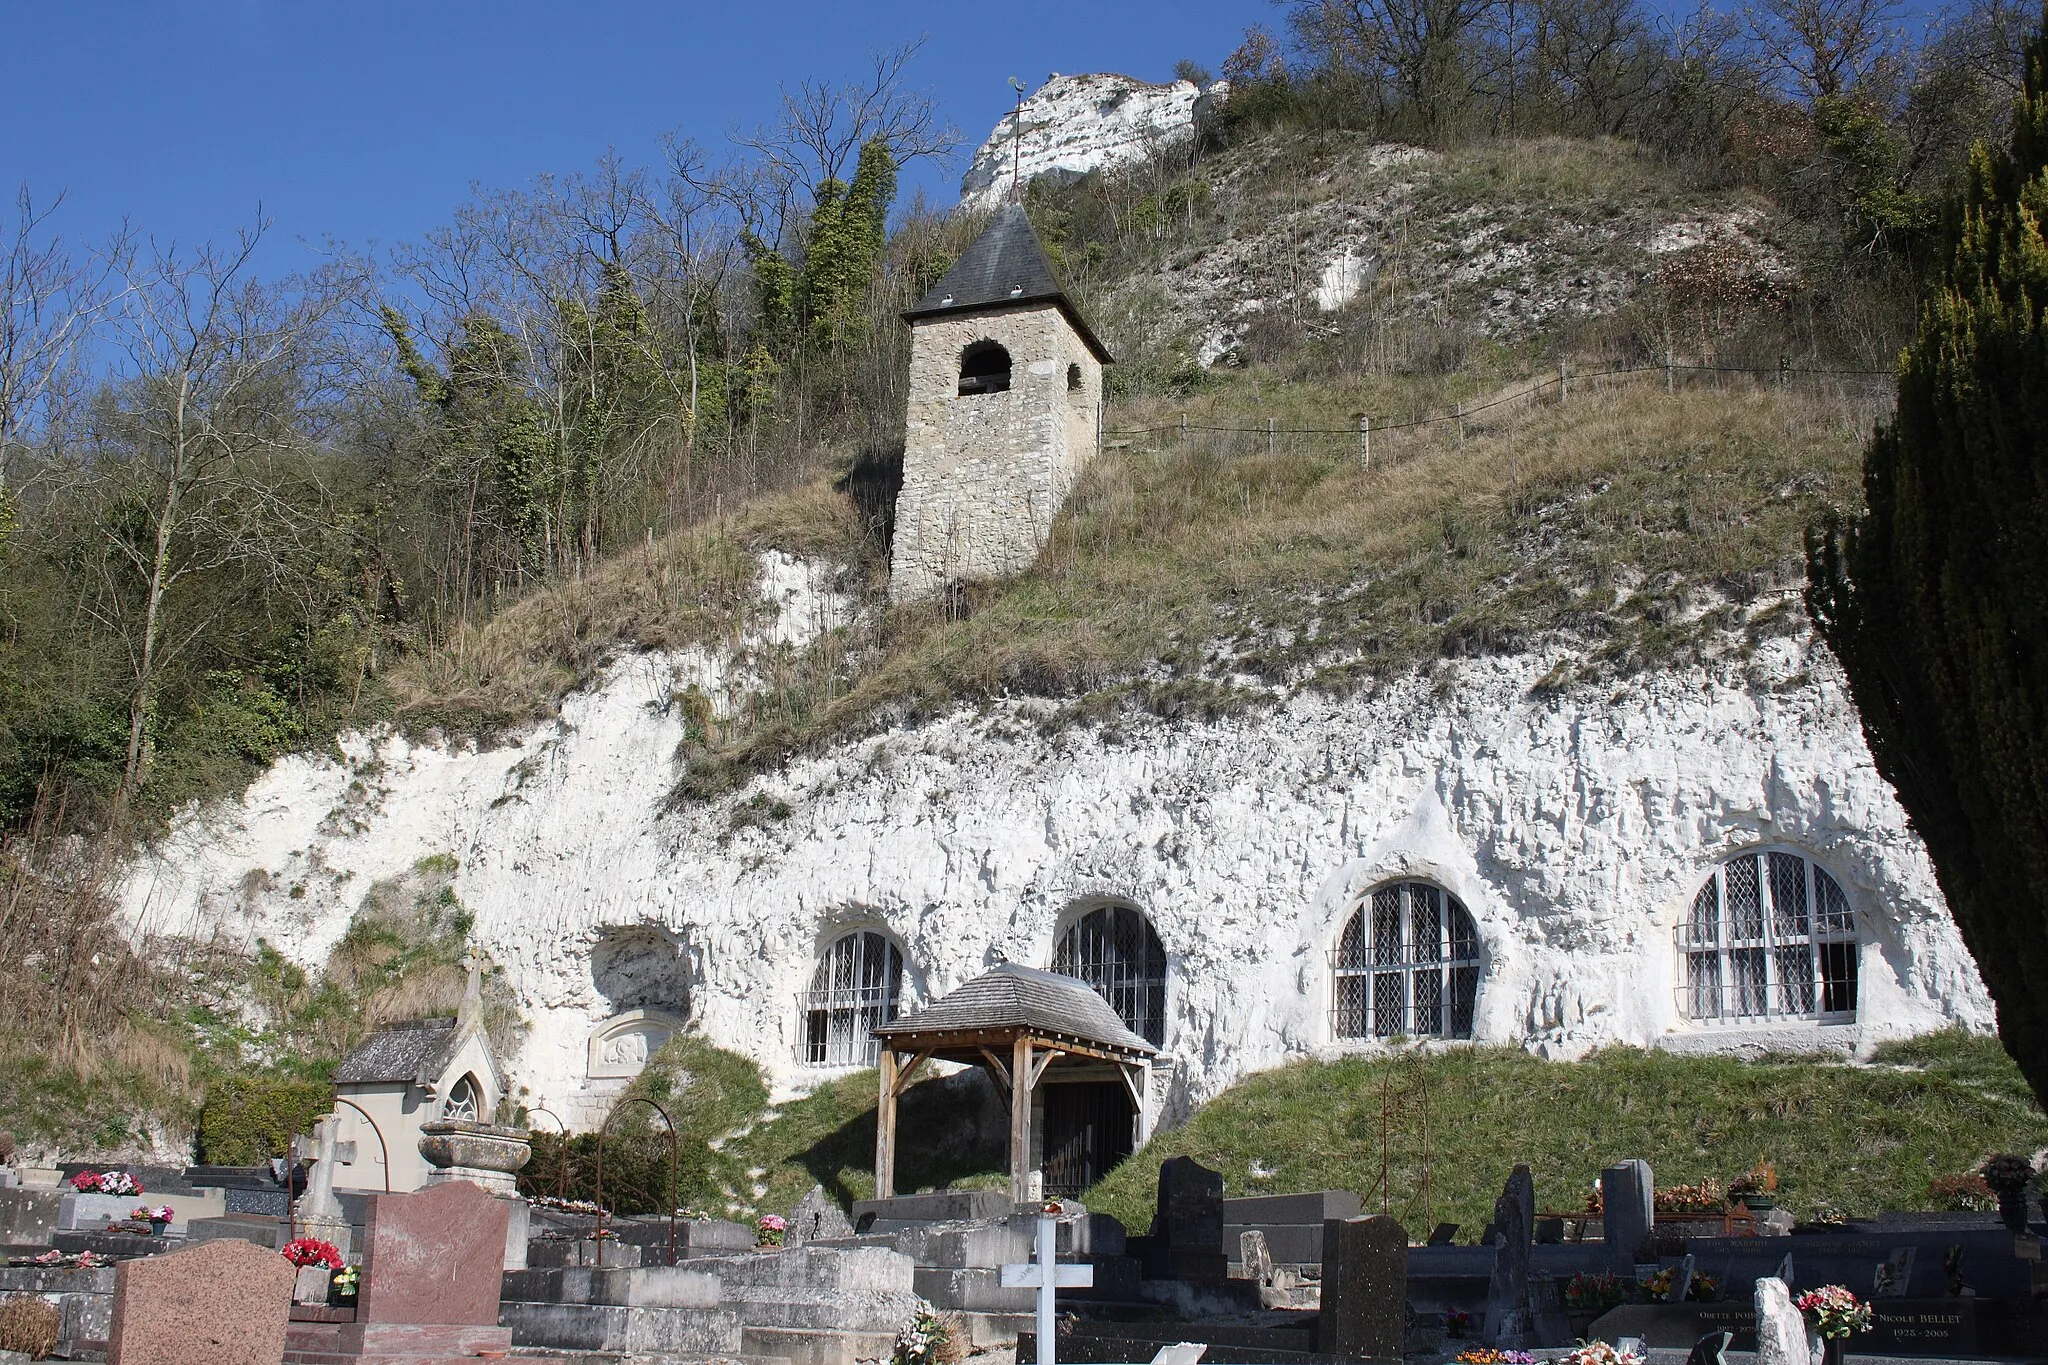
x=1005 y=410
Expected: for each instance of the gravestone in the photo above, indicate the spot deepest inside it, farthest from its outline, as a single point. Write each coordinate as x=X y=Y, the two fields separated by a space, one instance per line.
x=1548 y=1323
x=1187 y=1230
x=1781 y=1335
x=319 y=1213
x=1549 y=1232
x=1253 y=1255
x=816 y=1216
x=1681 y=1280
x=1711 y=1349
x=1508 y=1324
x=218 y=1303
x=1365 y=1287
x=1628 y=1207
x=434 y=1256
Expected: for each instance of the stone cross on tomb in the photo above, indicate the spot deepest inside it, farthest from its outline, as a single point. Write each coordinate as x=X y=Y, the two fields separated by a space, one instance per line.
x=473 y=991
x=319 y=1213
x=1046 y=1275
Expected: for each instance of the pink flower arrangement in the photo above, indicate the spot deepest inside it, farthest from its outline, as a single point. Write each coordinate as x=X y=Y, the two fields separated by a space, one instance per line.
x=161 y=1214
x=106 y=1182
x=769 y=1230
x=1834 y=1311
x=312 y=1251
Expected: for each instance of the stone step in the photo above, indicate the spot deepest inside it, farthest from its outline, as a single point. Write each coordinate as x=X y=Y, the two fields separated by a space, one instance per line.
x=820 y=1347
x=827 y=1312
x=975 y=1290
x=637 y=1286
x=619 y=1328
x=843 y=1269
x=634 y=1358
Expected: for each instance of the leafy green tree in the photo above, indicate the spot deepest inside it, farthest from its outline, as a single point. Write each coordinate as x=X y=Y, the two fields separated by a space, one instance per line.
x=849 y=228
x=1933 y=598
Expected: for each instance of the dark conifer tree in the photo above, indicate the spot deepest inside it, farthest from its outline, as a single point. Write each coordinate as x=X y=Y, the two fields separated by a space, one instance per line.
x=1935 y=599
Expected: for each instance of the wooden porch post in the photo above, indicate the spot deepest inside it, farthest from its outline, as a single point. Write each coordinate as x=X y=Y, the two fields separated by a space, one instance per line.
x=885 y=1126
x=1020 y=1121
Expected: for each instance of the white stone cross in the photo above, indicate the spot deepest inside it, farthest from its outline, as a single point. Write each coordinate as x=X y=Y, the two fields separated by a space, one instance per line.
x=1046 y=1276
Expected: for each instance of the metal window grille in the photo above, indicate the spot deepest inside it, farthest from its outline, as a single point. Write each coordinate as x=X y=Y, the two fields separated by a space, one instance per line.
x=1769 y=936
x=1406 y=965
x=857 y=987
x=1114 y=950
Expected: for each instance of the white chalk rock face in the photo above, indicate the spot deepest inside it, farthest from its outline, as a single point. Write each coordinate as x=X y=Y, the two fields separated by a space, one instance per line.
x=1076 y=124
x=1578 y=832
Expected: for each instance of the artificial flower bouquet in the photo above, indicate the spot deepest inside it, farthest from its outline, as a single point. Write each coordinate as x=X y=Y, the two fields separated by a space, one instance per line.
x=1834 y=1312
x=106 y=1182
x=770 y=1229
x=306 y=1251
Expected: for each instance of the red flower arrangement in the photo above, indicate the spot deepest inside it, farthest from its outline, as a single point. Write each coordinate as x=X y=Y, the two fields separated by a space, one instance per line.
x=106 y=1182
x=312 y=1251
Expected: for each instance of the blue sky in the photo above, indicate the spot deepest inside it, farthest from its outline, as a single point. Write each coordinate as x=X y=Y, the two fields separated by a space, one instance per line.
x=369 y=120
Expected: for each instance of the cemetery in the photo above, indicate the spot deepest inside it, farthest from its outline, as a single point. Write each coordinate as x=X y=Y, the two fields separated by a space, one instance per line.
x=316 y=1259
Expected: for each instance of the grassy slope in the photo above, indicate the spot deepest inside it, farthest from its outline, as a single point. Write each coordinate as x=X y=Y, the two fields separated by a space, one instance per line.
x=1861 y=1138
x=1642 y=528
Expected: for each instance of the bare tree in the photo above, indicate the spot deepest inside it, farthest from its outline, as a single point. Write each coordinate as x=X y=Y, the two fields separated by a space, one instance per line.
x=48 y=303
x=1417 y=56
x=218 y=377
x=822 y=127
x=1822 y=48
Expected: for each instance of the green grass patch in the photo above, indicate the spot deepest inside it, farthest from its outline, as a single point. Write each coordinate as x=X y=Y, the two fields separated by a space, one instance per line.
x=1861 y=1138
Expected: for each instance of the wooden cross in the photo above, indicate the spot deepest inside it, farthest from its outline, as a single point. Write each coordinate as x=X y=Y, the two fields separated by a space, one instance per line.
x=1046 y=1276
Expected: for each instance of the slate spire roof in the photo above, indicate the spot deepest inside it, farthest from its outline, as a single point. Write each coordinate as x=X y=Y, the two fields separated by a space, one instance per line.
x=1011 y=996
x=1005 y=266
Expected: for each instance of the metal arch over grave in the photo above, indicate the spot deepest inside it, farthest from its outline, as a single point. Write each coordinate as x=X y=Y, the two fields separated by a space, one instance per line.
x=1018 y=1023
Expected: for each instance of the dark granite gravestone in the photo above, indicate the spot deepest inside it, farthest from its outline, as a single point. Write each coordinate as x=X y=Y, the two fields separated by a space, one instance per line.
x=1508 y=1324
x=1365 y=1279
x=1549 y=1231
x=1628 y=1207
x=218 y=1303
x=1186 y=1242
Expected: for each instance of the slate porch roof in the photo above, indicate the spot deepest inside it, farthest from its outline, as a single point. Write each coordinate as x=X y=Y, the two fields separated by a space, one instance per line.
x=1011 y=996
x=1004 y=267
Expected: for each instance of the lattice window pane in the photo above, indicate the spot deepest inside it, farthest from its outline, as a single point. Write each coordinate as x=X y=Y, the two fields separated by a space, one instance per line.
x=1703 y=982
x=1351 y=948
x=1832 y=914
x=1387 y=1005
x=1703 y=927
x=1464 y=995
x=1386 y=926
x=1425 y=925
x=1429 y=1004
x=855 y=988
x=1752 y=982
x=1745 y=901
x=1789 y=918
x=1353 y=1016
x=1795 y=978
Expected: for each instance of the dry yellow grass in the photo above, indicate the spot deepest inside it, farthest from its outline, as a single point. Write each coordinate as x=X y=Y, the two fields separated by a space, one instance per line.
x=1641 y=527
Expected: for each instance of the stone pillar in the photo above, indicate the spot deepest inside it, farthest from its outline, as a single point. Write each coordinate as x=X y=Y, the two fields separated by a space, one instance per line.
x=1628 y=1203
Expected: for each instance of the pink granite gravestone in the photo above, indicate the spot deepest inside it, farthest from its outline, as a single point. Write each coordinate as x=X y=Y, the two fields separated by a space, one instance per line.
x=218 y=1303
x=436 y=1256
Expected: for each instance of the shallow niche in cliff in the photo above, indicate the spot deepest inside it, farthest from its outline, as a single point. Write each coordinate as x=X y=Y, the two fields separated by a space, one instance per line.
x=640 y=967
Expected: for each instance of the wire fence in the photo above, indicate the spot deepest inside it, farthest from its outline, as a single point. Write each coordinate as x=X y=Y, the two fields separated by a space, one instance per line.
x=1276 y=438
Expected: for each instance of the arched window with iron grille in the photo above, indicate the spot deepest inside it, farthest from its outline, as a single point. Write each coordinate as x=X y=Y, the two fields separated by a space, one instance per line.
x=1407 y=966
x=858 y=985
x=1770 y=935
x=1113 y=949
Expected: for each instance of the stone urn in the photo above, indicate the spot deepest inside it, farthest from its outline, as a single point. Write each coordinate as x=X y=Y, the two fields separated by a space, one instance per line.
x=460 y=1149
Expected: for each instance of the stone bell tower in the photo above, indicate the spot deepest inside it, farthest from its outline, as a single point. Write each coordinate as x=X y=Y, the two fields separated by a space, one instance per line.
x=1005 y=410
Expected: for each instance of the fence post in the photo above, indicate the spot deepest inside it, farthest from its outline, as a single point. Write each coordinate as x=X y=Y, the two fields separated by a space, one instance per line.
x=1461 y=423
x=1784 y=367
x=1271 y=423
x=1364 y=441
x=1183 y=430
x=1668 y=390
x=1564 y=387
